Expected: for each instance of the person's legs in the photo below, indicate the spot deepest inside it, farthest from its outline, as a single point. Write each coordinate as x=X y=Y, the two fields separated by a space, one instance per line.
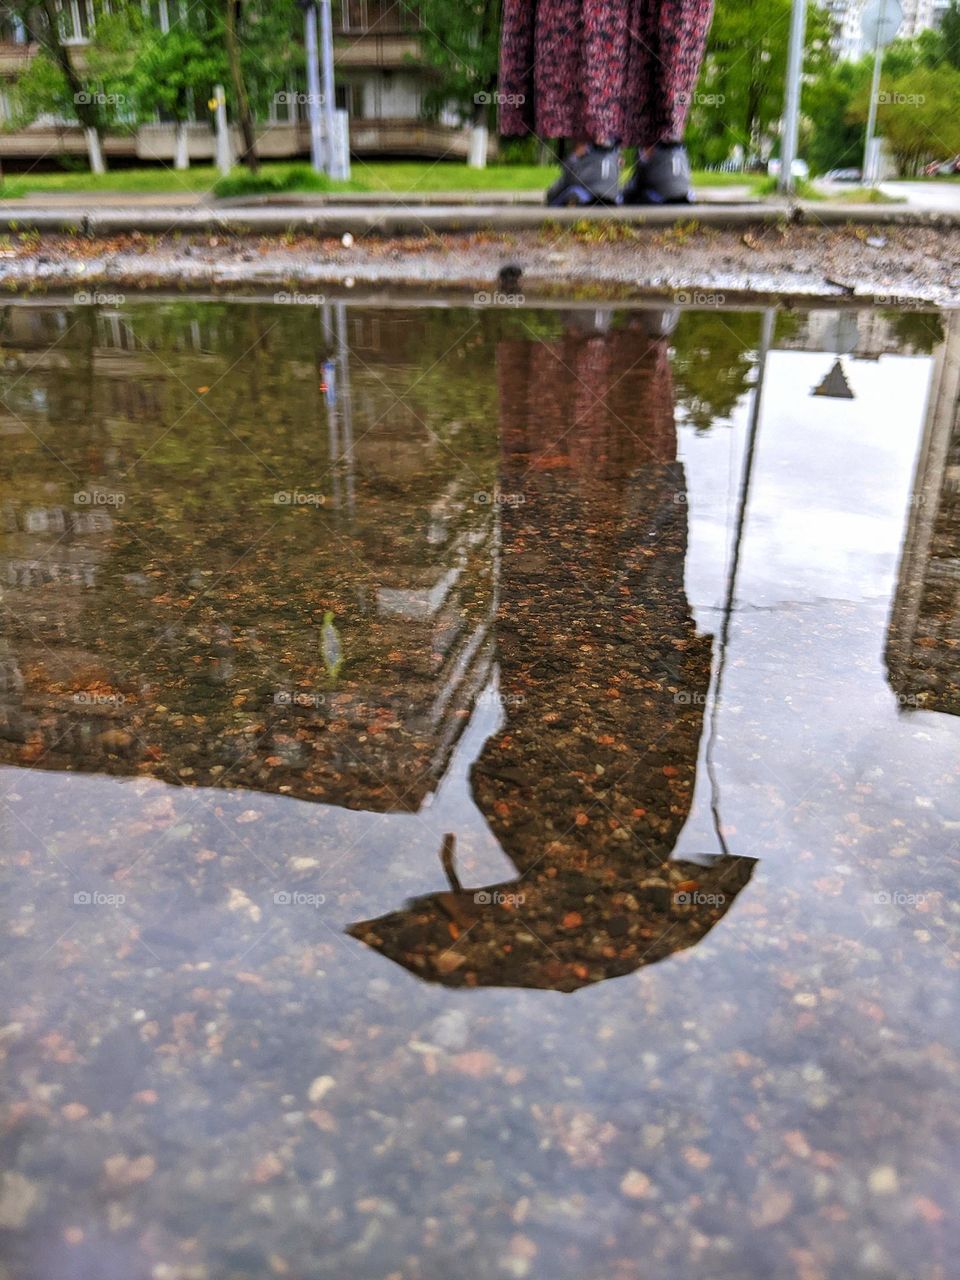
x=668 y=38
x=682 y=27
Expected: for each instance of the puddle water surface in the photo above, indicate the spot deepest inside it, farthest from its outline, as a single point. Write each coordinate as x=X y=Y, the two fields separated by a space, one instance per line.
x=479 y=793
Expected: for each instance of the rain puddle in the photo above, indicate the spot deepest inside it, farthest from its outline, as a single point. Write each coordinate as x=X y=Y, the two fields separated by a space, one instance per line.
x=479 y=792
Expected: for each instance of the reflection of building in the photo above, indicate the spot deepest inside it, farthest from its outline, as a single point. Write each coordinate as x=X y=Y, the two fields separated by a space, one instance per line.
x=864 y=334
x=847 y=18
x=923 y=643
x=603 y=679
x=132 y=604
x=380 y=83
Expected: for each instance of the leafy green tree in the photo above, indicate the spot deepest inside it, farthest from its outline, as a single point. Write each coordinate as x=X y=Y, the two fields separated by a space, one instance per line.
x=85 y=89
x=950 y=33
x=171 y=72
x=740 y=95
x=461 y=44
x=835 y=139
x=924 y=50
x=916 y=115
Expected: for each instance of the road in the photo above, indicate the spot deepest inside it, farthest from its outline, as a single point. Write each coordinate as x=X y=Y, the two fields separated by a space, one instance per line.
x=941 y=196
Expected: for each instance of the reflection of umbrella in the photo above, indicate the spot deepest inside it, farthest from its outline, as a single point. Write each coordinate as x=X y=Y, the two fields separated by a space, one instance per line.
x=598 y=644
x=559 y=933
x=834 y=385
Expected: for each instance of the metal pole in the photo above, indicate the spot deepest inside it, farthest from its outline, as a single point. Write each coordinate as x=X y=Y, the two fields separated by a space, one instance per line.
x=869 y=165
x=694 y=835
x=314 y=97
x=223 y=149
x=791 y=105
x=329 y=94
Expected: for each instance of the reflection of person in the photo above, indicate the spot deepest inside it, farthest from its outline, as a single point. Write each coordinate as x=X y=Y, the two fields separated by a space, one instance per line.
x=605 y=72
x=603 y=680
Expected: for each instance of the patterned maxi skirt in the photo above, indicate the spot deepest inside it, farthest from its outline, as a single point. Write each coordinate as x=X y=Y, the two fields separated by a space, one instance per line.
x=600 y=69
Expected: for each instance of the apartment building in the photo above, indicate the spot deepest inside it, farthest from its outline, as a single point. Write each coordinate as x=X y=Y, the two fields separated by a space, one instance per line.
x=380 y=83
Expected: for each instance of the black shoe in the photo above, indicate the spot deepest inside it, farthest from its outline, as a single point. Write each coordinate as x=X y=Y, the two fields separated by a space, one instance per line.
x=664 y=178
x=590 y=178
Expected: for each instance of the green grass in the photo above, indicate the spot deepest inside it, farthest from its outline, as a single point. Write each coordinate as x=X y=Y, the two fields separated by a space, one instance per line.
x=402 y=177
x=802 y=188
x=864 y=195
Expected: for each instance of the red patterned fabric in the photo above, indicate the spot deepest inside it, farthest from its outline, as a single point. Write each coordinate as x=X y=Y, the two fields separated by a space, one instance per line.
x=601 y=69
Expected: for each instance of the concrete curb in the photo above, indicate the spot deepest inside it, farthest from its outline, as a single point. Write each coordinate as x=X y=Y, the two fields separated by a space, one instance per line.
x=397 y=220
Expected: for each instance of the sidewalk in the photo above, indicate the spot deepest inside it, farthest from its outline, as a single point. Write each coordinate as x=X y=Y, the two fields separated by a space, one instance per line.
x=93 y=200
x=393 y=216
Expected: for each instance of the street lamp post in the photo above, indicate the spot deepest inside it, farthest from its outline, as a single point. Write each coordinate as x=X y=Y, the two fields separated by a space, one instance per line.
x=335 y=160
x=881 y=22
x=791 y=105
x=314 y=97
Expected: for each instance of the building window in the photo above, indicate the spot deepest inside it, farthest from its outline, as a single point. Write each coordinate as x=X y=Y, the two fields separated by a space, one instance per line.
x=75 y=19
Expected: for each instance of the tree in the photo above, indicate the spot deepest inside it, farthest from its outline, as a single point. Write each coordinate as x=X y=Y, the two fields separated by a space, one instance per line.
x=461 y=42
x=263 y=51
x=241 y=98
x=950 y=33
x=916 y=115
x=173 y=70
x=836 y=138
x=59 y=82
x=740 y=94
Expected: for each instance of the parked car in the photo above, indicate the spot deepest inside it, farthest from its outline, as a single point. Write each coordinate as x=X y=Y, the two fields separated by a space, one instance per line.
x=799 y=168
x=942 y=168
x=843 y=175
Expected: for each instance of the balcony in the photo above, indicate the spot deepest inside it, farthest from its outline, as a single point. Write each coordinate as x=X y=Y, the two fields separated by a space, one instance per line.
x=375 y=17
x=15 y=57
x=369 y=49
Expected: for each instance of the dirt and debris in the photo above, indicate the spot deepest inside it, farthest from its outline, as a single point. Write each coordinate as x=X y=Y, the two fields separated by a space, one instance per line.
x=616 y=261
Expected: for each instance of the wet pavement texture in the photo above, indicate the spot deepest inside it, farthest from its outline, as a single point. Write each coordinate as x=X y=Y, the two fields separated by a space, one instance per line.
x=479 y=792
x=692 y=263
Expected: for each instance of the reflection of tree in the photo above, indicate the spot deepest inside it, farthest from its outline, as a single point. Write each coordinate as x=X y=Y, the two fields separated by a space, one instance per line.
x=919 y=331
x=210 y=595
x=713 y=363
x=603 y=679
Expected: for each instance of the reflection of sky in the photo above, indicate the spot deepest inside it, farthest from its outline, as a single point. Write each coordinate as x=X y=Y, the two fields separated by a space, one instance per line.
x=808 y=715
x=830 y=484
